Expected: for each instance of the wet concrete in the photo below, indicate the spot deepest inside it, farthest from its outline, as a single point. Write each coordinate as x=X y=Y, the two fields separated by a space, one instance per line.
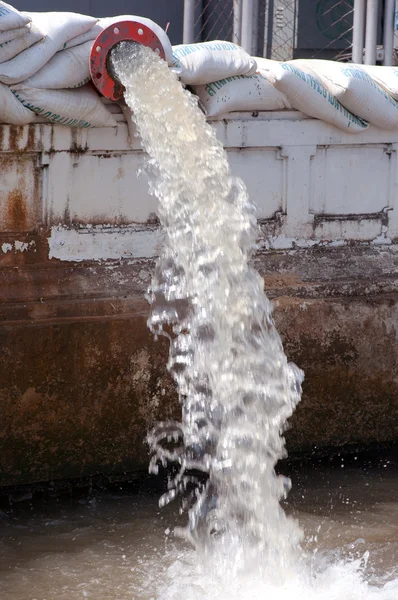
x=82 y=379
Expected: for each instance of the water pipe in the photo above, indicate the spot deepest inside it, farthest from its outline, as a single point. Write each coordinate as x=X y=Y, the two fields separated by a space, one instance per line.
x=372 y=16
x=247 y=25
x=358 y=31
x=388 y=33
x=237 y=22
x=188 y=35
x=136 y=30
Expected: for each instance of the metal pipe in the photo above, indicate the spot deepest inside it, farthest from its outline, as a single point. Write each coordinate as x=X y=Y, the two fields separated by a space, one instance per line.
x=247 y=25
x=188 y=35
x=372 y=13
x=256 y=14
x=358 y=31
x=388 y=32
x=270 y=28
x=237 y=25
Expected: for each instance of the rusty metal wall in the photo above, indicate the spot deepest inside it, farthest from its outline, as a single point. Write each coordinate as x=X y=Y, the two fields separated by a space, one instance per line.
x=81 y=378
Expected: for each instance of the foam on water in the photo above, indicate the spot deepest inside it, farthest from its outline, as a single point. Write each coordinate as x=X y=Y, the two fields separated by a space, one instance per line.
x=186 y=579
x=235 y=385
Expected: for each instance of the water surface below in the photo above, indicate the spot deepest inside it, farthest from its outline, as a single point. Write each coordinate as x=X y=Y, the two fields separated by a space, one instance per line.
x=118 y=545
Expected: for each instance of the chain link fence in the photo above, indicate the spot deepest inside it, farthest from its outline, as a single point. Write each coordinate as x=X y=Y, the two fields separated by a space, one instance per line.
x=282 y=29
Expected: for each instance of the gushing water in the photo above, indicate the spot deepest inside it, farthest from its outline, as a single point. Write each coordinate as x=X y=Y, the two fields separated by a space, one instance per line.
x=235 y=385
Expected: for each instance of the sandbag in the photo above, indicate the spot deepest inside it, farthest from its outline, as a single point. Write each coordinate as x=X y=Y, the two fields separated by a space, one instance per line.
x=59 y=28
x=265 y=64
x=240 y=93
x=75 y=108
x=14 y=47
x=306 y=93
x=13 y=34
x=357 y=91
x=66 y=69
x=198 y=64
x=385 y=77
x=11 y=18
x=11 y=110
x=103 y=23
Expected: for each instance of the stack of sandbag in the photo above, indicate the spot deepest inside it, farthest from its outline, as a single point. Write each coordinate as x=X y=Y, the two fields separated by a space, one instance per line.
x=307 y=93
x=36 y=80
x=226 y=79
x=278 y=86
x=17 y=32
x=58 y=28
x=358 y=90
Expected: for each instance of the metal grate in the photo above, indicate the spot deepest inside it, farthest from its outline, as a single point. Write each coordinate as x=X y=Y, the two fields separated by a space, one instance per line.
x=282 y=29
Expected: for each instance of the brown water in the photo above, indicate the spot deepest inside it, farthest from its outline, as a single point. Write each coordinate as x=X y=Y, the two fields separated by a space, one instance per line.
x=117 y=545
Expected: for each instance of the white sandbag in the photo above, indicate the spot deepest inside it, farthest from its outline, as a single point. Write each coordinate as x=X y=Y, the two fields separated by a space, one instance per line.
x=13 y=34
x=66 y=69
x=11 y=110
x=357 y=91
x=307 y=93
x=199 y=64
x=59 y=28
x=103 y=23
x=11 y=18
x=75 y=108
x=88 y=36
x=240 y=93
x=265 y=64
x=14 y=47
x=385 y=77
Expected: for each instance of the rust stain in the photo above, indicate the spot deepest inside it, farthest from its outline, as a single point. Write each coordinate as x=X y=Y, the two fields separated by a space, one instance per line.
x=120 y=174
x=16 y=136
x=31 y=137
x=16 y=210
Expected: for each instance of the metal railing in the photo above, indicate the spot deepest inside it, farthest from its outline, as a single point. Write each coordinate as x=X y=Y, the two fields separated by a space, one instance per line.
x=350 y=30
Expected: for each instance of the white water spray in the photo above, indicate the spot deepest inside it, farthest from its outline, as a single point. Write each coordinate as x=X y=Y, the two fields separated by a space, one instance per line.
x=235 y=385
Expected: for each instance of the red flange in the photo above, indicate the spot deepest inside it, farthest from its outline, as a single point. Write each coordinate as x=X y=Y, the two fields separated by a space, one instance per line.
x=108 y=38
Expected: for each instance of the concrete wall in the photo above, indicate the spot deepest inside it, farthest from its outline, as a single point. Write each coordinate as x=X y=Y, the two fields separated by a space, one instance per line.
x=81 y=378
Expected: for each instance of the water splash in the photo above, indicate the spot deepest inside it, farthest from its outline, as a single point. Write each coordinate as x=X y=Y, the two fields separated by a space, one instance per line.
x=235 y=385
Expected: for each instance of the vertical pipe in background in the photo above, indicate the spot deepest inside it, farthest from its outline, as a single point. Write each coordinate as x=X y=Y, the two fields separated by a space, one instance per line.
x=256 y=14
x=247 y=25
x=188 y=34
x=237 y=25
x=259 y=46
x=372 y=13
x=358 y=31
x=270 y=28
x=388 y=32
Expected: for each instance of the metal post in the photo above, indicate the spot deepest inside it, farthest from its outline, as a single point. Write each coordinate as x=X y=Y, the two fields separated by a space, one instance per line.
x=388 y=32
x=358 y=31
x=237 y=28
x=247 y=25
x=372 y=13
x=256 y=14
x=188 y=35
x=270 y=28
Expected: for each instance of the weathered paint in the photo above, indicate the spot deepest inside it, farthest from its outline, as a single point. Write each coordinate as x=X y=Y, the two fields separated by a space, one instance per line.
x=104 y=242
x=81 y=377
